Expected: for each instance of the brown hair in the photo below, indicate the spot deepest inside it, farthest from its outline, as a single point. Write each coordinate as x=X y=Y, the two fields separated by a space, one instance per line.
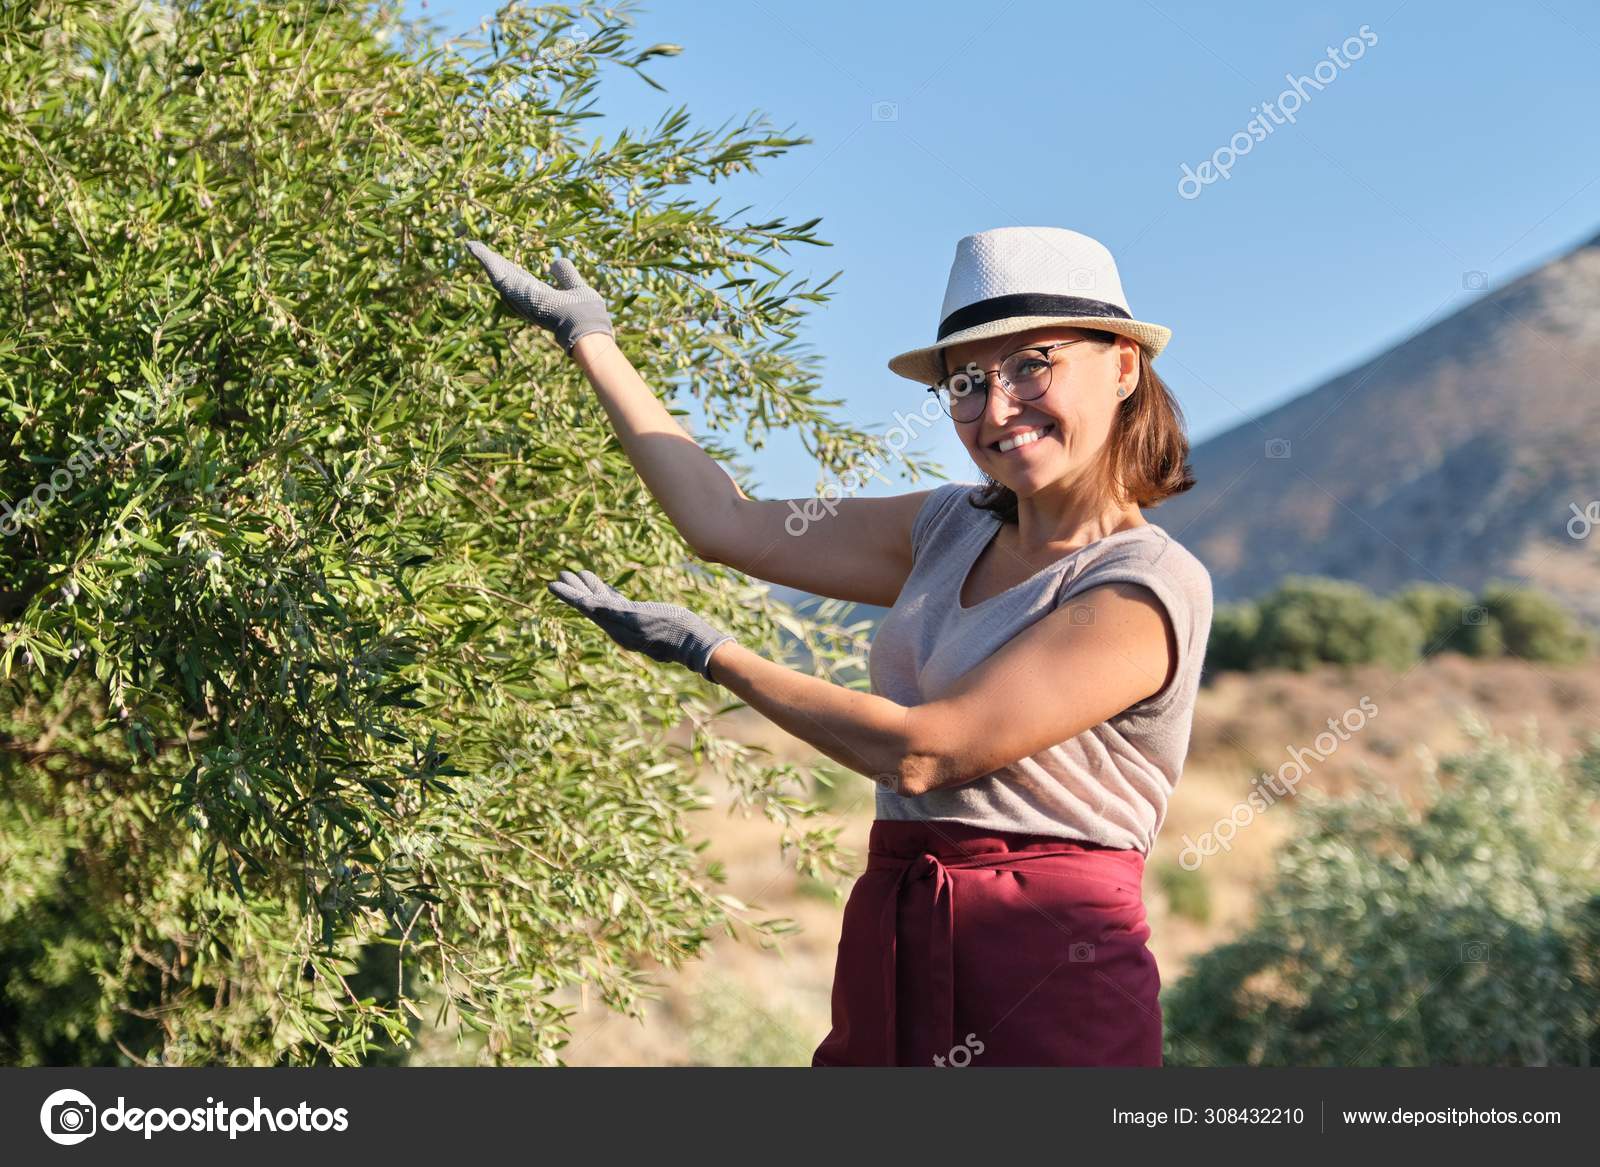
x=1148 y=450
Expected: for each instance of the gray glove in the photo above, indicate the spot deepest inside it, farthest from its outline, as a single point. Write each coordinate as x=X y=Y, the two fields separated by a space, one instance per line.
x=570 y=309
x=663 y=632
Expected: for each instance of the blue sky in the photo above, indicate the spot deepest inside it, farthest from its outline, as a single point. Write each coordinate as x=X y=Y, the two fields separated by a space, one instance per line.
x=1463 y=140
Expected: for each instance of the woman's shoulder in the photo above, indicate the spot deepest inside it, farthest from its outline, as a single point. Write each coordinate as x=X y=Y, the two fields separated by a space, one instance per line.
x=1172 y=556
x=1150 y=557
x=1145 y=554
x=943 y=509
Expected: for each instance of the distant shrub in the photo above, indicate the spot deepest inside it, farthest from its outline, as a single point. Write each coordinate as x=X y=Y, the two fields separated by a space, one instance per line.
x=1442 y=612
x=1533 y=626
x=1482 y=636
x=1234 y=628
x=1463 y=933
x=1310 y=620
x=730 y=1027
x=1188 y=894
x=1586 y=766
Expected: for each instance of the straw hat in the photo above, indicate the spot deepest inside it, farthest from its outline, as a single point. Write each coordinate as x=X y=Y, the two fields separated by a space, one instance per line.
x=1015 y=278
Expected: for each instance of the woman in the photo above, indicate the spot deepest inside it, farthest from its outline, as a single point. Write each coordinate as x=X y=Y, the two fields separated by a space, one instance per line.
x=1033 y=684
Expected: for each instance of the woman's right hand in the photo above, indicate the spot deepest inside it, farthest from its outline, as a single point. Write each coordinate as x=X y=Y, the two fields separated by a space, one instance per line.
x=570 y=309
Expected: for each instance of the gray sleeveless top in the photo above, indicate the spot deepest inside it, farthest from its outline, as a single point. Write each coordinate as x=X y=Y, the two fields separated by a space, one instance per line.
x=1108 y=785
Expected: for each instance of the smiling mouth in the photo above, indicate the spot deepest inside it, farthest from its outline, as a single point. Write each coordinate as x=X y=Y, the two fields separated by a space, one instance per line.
x=1008 y=444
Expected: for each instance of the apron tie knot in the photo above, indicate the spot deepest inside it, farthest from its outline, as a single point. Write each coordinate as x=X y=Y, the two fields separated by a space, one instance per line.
x=940 y=967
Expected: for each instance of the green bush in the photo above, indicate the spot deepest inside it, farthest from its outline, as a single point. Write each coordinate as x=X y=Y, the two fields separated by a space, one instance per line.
x=1482 y=637
x=1532 y=626
x=283 y=699
x=1464 y=933
x=1234 y=628
x=729 y=1027
x=1188 y=894
x=1310 y=620
x=1442 y=612
x=1587 y=766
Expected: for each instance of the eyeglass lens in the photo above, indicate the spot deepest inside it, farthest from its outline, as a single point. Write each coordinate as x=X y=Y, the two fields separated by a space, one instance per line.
x=1025 y=375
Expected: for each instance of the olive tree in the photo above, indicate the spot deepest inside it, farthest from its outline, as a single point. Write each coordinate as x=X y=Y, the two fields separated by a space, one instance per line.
x=295 y=750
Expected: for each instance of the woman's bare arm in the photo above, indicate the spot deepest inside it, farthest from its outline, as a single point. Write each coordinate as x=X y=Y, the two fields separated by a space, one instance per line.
x=859 y=550
x=853 y=549
x=1052 y=681
x=697 y=494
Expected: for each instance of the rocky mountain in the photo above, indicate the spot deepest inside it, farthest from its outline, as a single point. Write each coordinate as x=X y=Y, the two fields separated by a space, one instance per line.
x=1456 y=456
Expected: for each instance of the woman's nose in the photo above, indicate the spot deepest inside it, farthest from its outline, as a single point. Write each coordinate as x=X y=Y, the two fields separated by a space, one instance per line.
x=1001 y=407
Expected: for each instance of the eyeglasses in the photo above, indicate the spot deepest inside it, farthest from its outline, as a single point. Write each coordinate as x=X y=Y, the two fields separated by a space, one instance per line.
x=1023 y=376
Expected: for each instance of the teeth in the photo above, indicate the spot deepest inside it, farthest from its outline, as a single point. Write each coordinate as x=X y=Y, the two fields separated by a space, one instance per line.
x=1022 y=439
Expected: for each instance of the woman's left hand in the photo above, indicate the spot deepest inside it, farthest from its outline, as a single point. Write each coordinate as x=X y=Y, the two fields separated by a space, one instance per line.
x=663 y=632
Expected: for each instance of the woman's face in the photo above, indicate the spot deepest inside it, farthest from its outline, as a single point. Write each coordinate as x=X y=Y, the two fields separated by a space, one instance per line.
x=1074 y=417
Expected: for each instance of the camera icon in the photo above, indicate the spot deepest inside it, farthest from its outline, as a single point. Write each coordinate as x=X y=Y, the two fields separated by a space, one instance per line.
x=1081 y=279
x=72 y=1118
x=1474 y=615
x=68 y=1117
x=1277 y=447
x=1475 y=281
x=885 y=111
x=1081 y=951
x=1474 y=952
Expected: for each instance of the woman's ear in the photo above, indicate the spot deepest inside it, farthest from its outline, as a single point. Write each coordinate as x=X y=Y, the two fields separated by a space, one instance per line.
x=1127 y=366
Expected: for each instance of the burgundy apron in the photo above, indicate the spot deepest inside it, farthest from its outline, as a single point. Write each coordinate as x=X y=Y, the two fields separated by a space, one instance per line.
x=968 y=946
